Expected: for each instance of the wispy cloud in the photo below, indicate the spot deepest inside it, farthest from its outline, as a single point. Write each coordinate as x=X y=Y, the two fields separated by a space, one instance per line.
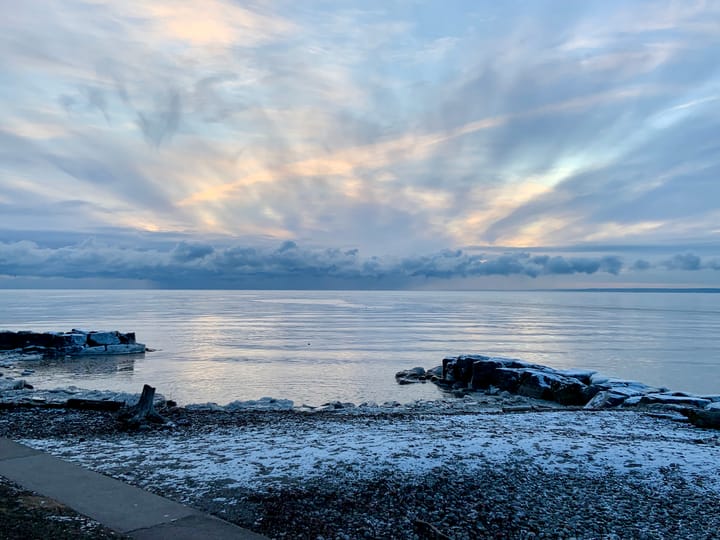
x=399 y=128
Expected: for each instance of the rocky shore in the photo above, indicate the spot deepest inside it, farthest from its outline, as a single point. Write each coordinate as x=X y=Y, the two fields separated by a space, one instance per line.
x=488 y=461
x=571 y=387
x=73 y=343
x=455 y=468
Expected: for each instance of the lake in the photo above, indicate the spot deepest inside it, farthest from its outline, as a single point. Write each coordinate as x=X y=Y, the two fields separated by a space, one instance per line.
x=319 y=346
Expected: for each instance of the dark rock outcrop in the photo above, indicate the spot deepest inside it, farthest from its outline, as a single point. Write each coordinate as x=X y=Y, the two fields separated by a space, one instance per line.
x=410 y=376
x=73 y=343
x=572 y=387
x=708 y=417
x=479 y=372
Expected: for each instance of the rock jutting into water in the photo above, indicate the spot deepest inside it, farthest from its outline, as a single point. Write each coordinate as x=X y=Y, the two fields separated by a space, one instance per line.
x=572 y=387
x=73 y=343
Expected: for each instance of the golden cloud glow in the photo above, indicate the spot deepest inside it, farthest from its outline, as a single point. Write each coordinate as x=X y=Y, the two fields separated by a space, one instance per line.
x=541 y=232
x=415 y=147
x=495 y=203
x=208 y=23
x=610 y=230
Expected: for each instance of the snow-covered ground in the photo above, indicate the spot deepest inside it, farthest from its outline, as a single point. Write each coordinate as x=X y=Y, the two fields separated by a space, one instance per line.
x=383 y=472
x=294 y=447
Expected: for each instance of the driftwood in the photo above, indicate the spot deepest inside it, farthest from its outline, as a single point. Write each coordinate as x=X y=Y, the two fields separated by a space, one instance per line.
x=93 y=404
x=142 y=413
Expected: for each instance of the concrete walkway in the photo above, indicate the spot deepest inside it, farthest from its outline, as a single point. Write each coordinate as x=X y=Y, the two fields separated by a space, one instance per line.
x=125 y=509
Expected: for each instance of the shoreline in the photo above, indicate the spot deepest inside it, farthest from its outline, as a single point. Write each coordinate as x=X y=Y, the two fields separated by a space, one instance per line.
x=521 y=451
x=469 y=471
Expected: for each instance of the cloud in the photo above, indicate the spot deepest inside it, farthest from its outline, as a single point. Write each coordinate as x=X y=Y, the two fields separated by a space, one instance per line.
x=398 y=128
x=198 y=265
x=186 y=251
x=641 y=265
x=687 y=261
x=162 y=123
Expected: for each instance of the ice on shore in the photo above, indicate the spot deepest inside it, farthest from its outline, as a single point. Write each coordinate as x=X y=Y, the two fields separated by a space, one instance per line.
x=292 y=447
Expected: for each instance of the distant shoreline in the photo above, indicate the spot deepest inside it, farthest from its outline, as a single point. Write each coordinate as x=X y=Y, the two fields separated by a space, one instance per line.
x=711 y=290
x=637 y=290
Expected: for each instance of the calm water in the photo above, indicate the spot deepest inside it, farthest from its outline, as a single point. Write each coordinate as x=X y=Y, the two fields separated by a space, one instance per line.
x=313 y=347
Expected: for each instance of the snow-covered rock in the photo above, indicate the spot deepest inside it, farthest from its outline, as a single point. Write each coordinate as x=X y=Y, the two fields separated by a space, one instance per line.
x=209 y=406
x=567 y=387
x=73 y=343
x=264 y=404
x=582 y=375
x=674 y=399
x=125 y=348
x=705 y=418
x=410 y=376
x=103 y=338
x=8 y=383
x=606 y=399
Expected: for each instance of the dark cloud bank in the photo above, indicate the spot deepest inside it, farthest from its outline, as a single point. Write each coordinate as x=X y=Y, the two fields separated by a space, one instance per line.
x=201 y=265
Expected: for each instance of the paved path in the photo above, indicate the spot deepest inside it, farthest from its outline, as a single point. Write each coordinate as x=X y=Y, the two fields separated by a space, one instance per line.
x=120 y=507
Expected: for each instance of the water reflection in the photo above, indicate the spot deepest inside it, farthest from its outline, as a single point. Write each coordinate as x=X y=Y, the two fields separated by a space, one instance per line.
x=313 y=347
x=82 y=367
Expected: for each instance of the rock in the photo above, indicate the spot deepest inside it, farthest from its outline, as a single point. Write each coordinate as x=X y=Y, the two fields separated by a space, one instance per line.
x=435 y=372
x=535 y=384
x=76 y=342
x=10 y=341
x=582 y=375
x=506 y=379
x=460 y=368
x=545 y=384
x=633 y=388
x=368 y=405
x=410 y=376
x=573 y=387
x=209 y=406
x=705 y=418
x=517 y=408
x=336 y=405
x=37 y=339
x=448 y=365
x=128 y=338
x=391 y=404
x=672 y=399
x=103 y=338
x=89 y=351
x=264 y=403
x=11 y=384
x=125 y=348
x=606 y=399
x=483 y=374
x=570 y=391
x=37 y=349
x=72 y=339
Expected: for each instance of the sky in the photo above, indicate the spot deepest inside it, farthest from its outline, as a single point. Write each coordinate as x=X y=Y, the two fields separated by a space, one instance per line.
x=345 y=144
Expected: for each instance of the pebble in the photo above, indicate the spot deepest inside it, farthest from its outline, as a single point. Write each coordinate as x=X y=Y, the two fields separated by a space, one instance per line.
x=500 y=500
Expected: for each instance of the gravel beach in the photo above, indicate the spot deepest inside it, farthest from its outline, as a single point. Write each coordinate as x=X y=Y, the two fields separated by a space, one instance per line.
x=448 y=469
